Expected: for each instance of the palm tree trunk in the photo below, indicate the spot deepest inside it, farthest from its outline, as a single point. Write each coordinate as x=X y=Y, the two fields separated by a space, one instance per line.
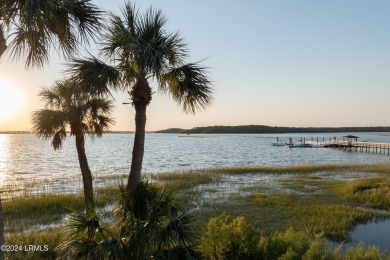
x=3 y=45
x=141 y=96
x=85 y=171
x=2 y=241
x=138 y=152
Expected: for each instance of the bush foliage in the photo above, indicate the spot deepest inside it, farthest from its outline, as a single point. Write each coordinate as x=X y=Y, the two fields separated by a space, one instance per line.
x=228 y=238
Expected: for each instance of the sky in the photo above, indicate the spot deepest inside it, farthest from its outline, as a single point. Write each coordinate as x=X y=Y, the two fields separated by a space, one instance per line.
x=296 y=63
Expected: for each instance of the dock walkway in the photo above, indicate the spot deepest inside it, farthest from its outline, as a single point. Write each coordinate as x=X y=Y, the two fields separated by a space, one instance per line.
x=370 y=147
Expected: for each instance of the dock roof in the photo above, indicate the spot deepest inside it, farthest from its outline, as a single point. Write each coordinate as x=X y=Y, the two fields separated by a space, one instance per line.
x=351 y=136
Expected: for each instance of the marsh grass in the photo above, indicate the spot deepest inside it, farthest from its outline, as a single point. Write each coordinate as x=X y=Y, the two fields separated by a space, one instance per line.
x=314 y=214
x=312 y=205
x=309 y=184
x=179 y=180
x=376 y=168
x=318 y=203
x=47 y=240
x=185 y=179
x=25 y=213
x=373 y=193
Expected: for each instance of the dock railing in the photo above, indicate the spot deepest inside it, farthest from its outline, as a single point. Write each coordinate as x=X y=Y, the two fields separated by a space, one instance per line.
x=373 y=147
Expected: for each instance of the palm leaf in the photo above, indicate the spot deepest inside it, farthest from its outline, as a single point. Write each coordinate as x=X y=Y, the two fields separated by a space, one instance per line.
x=31 y=43
x=138 y=236
x=189 y=86
x=58 y=138
x=37 y=26
x=86 y=16
x=46 y=122
x=94 y=76
x=3 y=43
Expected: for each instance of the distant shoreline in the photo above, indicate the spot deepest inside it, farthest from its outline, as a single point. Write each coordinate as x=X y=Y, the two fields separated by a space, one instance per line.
x=262 y=129
x=248 y=129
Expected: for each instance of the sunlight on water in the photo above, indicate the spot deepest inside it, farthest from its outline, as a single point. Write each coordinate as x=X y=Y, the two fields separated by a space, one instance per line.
x=3 y=157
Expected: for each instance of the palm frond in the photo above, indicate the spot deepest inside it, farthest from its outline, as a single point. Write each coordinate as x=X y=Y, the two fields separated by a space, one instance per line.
x=3 y=42
x=77 y=249
x=80 y=222
x=182 y=226
x=94 y=76
x=38 y=26
x=47 y=122
x=131 y=14
x=86 y=16
x=156 y=48
x=8 y=10
x=49 y=97
x=58 y=138
x=120 y=43
x=99 y=105
x=32 y=43
x=138 y=236
x=115 y=37
x=189 y=86
x=120 y=34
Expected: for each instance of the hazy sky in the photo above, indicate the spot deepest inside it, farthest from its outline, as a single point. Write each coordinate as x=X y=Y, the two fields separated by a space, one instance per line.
x=278 y=63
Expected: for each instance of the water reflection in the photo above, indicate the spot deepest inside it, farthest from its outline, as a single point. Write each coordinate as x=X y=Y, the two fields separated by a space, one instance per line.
x=373 y=233
x=3 y=157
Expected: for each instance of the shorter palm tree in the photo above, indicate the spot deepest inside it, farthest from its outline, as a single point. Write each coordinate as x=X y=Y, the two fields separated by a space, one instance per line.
x=67 y=107
x=153 y=229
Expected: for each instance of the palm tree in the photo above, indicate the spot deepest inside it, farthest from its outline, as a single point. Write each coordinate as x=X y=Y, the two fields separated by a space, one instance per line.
x=36 y=26
x=138 y=49
x=67 y=106
x=153 y=229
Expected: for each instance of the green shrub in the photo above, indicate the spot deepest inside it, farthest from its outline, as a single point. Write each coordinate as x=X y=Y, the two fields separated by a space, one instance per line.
x=361 y=252
x=227 y=238
x=291 y=244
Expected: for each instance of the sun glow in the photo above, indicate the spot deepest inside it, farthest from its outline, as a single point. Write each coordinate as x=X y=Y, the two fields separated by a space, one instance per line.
x=11 y=100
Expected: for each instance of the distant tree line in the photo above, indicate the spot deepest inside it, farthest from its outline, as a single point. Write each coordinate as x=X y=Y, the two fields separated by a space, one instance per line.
x=263 y=129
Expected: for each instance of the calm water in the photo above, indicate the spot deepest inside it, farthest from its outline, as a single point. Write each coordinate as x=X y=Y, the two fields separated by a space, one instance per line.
x=26 y=157
x=376 y=233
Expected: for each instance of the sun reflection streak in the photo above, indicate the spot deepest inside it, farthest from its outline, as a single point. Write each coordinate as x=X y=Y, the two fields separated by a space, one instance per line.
x=3 y=157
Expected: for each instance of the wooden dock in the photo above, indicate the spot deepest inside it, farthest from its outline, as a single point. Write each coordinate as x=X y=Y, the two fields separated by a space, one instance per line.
x=370 y=147
x=350 y=143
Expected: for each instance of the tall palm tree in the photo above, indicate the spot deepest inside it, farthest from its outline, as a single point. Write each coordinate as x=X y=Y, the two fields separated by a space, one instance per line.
x=138 y=49
x=153 y=229
x=36 y=26
x=67 y=106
